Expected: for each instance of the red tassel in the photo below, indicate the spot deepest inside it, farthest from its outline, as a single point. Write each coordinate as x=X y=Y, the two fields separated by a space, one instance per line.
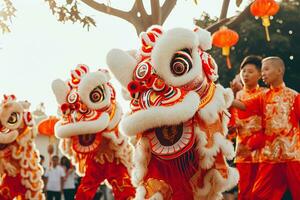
x=228 y=62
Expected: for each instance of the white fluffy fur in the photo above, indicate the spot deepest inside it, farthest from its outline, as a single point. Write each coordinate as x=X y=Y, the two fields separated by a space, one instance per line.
x=159 y=116
x=140 y=193
x=220 y=143
x=225 y=120
x=81 y=128
x=221 y=100
x=121 y=65
x=204 y=38
x=6 y=138
x=31 y=172
x=170 y=42
x=215 y=184
x=60 y=90
x=229 y=96
x=88 y=83
x=141 y=158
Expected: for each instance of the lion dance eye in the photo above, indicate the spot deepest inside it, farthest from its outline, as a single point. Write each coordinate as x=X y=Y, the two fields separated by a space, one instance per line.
x=97 y=95
x=181 y=62
x=72 y=97
x=13 y=118
x=143 y=71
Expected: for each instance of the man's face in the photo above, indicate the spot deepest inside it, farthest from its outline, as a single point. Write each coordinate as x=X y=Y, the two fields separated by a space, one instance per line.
x=270 y=72
x=250 y=75
x=55 y=161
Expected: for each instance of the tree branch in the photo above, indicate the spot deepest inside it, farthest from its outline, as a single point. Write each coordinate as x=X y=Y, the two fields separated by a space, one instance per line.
x=230 y=22
x=138 y=7
x=224 y=10
x=166 y=9
x=101 y=7
x=155 y=12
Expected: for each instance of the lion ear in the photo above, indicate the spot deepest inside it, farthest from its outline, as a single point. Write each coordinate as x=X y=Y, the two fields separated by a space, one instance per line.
x=204 y=38
x=60 y=90
x=25 y=104
x=121 y=64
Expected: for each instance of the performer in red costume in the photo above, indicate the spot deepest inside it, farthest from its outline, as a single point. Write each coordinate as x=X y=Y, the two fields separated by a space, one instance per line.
x=20 y=171
x=250 y=136
x=279 y=107
x=178 y=118
x=89 y=133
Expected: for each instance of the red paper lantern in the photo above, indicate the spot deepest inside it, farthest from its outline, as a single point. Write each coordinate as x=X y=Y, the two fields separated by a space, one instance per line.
x=225 y=38
x=264 y=9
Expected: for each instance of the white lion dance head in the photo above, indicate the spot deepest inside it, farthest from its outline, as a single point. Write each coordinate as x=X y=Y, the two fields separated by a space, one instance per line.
x=20 y=171
x=89 y=132
x=88 y=107
x=178 y=115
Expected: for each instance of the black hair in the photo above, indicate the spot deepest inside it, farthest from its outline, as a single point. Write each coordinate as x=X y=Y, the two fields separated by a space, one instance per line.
x=64 y=161
x=252 y=59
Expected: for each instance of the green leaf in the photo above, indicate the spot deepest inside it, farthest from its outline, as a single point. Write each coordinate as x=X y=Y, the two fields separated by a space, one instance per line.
x=196 y=2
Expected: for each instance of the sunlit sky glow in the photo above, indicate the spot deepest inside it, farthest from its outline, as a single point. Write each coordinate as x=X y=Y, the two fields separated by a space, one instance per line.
x=40 y=49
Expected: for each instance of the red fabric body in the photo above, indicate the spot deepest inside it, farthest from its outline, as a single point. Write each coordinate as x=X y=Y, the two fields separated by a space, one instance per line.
x=248 y=173
x=96 y=173
x=11 y=187
x=273 y=180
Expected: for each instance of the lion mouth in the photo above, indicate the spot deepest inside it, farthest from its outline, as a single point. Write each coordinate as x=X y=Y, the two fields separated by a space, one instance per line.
x=168 y=142
x=87 y=143
x=169 y=135
x=7 y=136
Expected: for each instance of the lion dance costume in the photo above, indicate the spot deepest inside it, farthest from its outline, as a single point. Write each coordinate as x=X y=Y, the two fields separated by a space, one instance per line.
x=89 y=133
x=178 y=116
x=20 y=171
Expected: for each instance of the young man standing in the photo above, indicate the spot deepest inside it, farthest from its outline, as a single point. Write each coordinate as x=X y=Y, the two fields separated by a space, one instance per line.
x=54 y=179
x=279 y=107
x=249 y=132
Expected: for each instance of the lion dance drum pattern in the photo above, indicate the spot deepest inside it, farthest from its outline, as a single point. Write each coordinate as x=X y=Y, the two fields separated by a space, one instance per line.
x=89 y=132
x=20 y=171
x=178 y=116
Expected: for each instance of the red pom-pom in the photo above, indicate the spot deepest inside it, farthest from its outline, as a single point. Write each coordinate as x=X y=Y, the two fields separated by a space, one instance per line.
x=64 y=107
x=133 y=87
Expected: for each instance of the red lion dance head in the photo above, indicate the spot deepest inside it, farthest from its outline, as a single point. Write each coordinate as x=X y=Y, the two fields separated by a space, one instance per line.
x=89 y=132
x=20 y=171
x=178 y=115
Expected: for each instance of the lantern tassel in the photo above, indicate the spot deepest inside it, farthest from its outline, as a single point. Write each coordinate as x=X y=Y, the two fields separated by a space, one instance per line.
x=267 y=34
x=228 y=62
x=266 y=23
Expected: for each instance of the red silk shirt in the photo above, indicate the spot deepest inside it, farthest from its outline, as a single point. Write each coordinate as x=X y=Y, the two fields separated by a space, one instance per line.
x=280 y=111
x=249 y=129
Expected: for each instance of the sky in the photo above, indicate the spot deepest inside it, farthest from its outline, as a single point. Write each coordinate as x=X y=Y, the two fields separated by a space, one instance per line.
x=40 y=49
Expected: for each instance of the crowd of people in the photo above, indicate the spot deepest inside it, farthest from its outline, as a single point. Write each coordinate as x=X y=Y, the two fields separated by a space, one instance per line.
x=61 y=181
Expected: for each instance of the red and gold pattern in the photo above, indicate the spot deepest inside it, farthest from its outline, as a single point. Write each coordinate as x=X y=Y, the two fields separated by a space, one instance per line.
x=278 y=108
x=89 y=134
x=20 y=170
x=249 y=128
